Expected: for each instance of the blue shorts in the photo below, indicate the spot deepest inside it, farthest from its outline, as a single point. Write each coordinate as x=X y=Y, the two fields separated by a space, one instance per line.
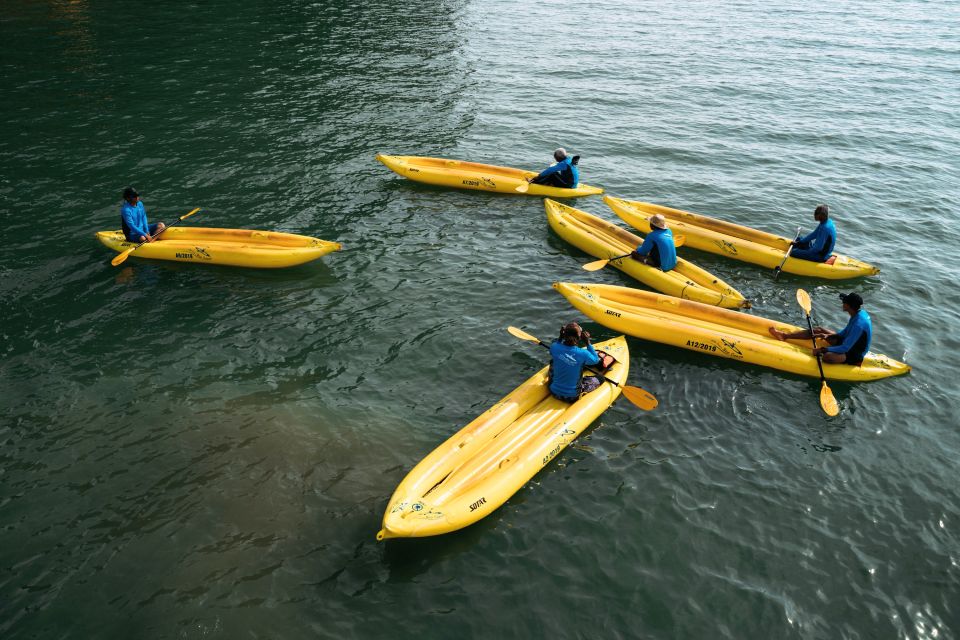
x=136 y=240
x=587 y=384
x=808 y=255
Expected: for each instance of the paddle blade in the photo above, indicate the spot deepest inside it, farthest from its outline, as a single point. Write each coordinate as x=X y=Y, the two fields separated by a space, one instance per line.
x=827 y=402
x=803 y=298
x=641 y=398
x=121 y=257
x=523 y=335
x=522 y=187
x=184 y=217
x=596 y=265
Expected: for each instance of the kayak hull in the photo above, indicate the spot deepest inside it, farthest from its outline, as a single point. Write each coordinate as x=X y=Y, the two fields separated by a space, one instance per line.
x=717 y=332
x=230 y=247
x=460 y=174
x=603 y=239
x=736 y=241
x=479 y=468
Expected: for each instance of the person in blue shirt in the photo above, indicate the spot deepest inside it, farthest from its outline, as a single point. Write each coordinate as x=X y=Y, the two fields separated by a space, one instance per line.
x=657 y=248
x=817 y=246
x=563 y=174
x=849 y=346
x=567 y=364
x=133 y=217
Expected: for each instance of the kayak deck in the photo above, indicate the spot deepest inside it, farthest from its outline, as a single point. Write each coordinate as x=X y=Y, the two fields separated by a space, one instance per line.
x=737 y=241
x=717 y=332
x=475 y=471
x=461 y=174
x=603 y=239
x=230 y=247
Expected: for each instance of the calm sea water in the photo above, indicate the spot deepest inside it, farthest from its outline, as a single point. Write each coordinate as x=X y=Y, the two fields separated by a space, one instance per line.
x=202 y=452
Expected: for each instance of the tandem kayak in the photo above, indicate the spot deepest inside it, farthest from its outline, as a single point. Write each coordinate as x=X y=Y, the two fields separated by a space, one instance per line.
x=473 y=175
x=603 y=239
x=471 y=474
x=232 y=247
x=736 y=241
x=716 y=332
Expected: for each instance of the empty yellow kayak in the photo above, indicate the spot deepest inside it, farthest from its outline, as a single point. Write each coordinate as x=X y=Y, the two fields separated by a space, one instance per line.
x=467 y=477
x=232 y=247
x=473 y=175
x=736 y=241
x=716 y=332
x=603 y=239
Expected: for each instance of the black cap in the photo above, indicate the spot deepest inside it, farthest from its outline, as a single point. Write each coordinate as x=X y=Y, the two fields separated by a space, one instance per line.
x=130 y=193
x=852 y=299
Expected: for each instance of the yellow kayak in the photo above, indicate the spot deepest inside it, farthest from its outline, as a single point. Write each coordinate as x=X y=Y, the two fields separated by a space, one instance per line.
x=473 y=175
x=716 y=332
x=233 y=247
x=736 y=241
x=603 y=239
x=467 y=477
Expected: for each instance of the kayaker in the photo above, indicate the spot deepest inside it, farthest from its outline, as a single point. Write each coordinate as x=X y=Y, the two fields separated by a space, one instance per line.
x=133 y=217
x=817 y=246
x=568 y=361
x=657 y=249
x=563 y=174
x=847 y=347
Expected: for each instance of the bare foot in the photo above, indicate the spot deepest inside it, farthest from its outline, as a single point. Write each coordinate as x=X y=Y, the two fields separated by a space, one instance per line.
x=779 y=335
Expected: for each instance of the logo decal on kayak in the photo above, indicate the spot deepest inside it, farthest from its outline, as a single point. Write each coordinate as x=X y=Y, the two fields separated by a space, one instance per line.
x=417 y=506
x=730 y=348
x=185 y=256
x=476 y=505
x=727 y=247
x=202 y=253
x=613 y=313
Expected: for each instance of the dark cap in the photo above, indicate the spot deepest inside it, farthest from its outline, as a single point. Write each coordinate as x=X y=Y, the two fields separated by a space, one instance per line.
x=129 y=193
x=852 y=299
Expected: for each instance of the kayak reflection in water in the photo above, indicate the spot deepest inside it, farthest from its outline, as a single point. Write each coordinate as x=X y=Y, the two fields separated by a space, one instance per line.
x=133 y=217
x=657 y=249
x=563 y=174
x=567 y=364
x=847 y=347
x=817 y=246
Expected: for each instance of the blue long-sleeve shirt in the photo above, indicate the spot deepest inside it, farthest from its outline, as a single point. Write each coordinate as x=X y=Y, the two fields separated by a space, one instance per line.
x=568 y=363
x=134 y=220
x=565 y=165
x=855 y=337
x=662 y=239
x=818 y=244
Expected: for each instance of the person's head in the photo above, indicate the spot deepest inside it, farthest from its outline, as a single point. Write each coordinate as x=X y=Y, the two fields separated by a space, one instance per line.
x=130 y=195
x=821 y=213
x=657 y=221
x=570 y=334
x=851 y=302
x=560 y=154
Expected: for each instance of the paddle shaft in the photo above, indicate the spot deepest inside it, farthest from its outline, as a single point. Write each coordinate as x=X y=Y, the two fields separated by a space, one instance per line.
x=813 y=339
x=776 y=272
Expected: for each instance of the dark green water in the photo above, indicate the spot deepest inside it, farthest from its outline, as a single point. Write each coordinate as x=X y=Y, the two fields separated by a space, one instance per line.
x=200 y=452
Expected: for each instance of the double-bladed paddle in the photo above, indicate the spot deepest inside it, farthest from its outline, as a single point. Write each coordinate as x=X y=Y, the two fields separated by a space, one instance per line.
x=643 y=399
x=827 y=401
x=776 y=272
x=118 y=260
x=596 y=265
